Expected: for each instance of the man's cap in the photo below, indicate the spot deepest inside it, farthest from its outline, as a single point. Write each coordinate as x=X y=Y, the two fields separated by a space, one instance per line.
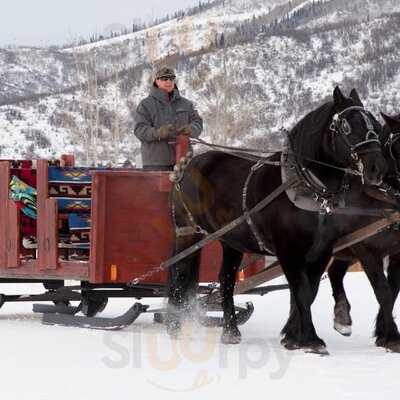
x=165 y=72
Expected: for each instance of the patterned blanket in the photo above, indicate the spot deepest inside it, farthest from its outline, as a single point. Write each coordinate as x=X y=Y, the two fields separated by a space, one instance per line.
x=72 y=189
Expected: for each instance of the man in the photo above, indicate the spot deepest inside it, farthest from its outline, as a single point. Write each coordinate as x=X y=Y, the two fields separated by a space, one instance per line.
x=160 y=117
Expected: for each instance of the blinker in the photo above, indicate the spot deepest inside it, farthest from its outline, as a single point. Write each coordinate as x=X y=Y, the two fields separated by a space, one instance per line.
x=346 y=128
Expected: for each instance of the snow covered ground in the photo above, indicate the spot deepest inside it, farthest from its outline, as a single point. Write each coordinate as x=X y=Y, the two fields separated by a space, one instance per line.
x=46 y=362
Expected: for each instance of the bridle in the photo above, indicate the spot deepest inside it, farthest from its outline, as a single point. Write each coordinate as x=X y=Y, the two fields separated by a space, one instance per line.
x=340 y=126
x=392 y=139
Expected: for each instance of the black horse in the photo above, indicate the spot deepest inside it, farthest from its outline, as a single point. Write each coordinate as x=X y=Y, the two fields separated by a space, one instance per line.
x=217 y=187
x=371 y=254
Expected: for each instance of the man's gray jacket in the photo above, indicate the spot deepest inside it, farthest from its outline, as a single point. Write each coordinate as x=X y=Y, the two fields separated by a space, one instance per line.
x=159 y=109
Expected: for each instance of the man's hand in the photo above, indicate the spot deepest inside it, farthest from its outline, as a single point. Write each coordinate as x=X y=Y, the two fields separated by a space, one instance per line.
x=165 y=132
x=185 y=130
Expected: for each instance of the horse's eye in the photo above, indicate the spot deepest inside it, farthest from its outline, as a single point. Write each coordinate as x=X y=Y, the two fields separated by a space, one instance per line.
x=346 y=128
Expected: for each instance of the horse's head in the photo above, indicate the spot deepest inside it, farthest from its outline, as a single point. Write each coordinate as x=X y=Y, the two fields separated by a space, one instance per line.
x=356 y=137
x=391 y=143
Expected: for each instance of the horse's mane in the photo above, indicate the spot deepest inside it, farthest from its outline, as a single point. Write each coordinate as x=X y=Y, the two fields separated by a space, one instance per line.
x=386 y=131
x=306 y=136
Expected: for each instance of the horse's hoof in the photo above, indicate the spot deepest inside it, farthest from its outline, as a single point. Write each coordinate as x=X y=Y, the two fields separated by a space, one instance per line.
x=344 y=330
x=231 y=337
x=289 y=344
x=320 y=350
x=285 y=338
x=393 y=347
x=284 y=341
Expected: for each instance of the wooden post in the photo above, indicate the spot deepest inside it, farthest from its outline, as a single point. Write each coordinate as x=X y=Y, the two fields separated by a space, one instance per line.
x=47 y=220
x=4 y=188
x=67 y=160
x=98 y=228
x=181 y=147
x=9 y=223
x=13 y=235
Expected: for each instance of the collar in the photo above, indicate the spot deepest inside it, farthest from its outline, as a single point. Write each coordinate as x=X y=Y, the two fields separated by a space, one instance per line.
x=164 y=97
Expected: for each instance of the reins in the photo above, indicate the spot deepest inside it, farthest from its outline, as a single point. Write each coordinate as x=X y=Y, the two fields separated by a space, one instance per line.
x=243 y=153
x=238 y=152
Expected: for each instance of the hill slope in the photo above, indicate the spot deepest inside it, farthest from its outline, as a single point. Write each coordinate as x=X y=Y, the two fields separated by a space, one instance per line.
x=251 y=66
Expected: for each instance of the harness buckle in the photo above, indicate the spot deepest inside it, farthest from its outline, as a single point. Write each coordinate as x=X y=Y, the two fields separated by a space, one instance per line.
x=325 y=207
x=198 y=229
x=360 y=167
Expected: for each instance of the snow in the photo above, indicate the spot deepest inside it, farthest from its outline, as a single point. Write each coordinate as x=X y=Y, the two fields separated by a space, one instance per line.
x=233 y=12
x=301 y=6
x=274 y=81
x=47 y=362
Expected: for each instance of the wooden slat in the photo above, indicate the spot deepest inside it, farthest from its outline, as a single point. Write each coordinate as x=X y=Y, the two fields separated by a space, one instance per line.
x=42 y=196
x=51 y=243
x=98 y=228
x=47 y=221
x=67 y=270
x=13 y=235
x=67 y=160
x=4 y=189
x=349 y=240
x=365 y=232
x=271 y=272
x=357 y=267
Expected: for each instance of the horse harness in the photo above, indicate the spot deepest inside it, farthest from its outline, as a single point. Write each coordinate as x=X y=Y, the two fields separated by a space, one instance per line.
x=392 y=139
x=320 y=194
x=249 y=220
x=313 y=195
x=194 y=228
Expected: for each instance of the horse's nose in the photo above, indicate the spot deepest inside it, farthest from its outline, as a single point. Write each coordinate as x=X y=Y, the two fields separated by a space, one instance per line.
x=377 y=171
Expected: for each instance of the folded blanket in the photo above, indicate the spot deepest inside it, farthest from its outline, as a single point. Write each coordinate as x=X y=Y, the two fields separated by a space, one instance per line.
x=25 y=196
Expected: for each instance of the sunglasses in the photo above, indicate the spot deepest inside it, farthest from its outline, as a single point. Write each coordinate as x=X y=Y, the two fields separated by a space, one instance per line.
x=167 y=78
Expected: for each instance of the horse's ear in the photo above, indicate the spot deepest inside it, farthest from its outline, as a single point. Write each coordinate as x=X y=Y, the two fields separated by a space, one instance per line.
x=339 y=99
x=392 y=122
x=356 y=98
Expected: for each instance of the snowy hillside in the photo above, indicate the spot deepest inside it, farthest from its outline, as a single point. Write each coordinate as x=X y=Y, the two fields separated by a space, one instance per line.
x=251 y=66
x=47 y=362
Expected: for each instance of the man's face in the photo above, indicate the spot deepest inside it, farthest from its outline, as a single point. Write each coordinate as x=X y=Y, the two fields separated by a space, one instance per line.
x=166 y=84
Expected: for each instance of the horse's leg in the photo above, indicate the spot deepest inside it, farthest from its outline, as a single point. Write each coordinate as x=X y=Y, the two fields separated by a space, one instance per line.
x=304 y=284
x=227 y=277
x=342 y=320
x=291 y=329
x=387 y=334
x=182 y=285
x=393 y=278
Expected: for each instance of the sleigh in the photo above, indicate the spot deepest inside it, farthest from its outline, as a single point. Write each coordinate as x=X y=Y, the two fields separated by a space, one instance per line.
x=102 y=228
